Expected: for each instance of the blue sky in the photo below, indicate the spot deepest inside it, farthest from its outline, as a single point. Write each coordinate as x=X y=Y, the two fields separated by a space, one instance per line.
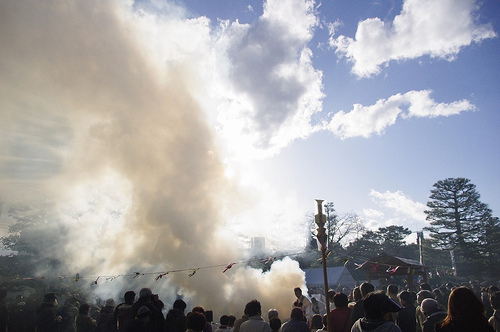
x=253 y=108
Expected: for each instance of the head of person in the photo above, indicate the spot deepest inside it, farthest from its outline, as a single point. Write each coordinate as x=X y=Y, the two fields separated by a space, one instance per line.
x=275 y=323
x=424 y=294
x=209 y=315
x=195 y=321
x=366 y=288
x=297 y=314
x=129 y=297
x=232 y=319
x=84 y=309
x=199 y=309
x=297 y=291
x=180 y=304
x=316 y=322
x=392 y=290
x=325 y=320
x=145 y=293
x=50 y=298
x=340 y=300
x=331 y=294
x=110 y=303
x=377 y=305
x=224 y=320
x=495 y=300
x=406 y=298
x=464 y=303
x=429 y=306
x=253 y=308
x=356 y=294
x=143 y=313
x=272 y=313
x=425 y=286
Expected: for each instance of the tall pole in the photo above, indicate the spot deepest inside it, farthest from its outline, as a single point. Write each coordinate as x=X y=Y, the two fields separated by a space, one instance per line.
x=320 y=220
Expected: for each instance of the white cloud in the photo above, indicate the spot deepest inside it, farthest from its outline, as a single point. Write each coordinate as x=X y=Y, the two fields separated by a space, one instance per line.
x=399 y=202
x=372 y=213
x=268 y=87
x=365 y=120
x=424 y=27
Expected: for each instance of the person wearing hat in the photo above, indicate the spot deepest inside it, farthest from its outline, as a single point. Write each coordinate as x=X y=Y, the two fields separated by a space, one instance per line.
x=378 y=308
x=46 y=318
x=433 y=313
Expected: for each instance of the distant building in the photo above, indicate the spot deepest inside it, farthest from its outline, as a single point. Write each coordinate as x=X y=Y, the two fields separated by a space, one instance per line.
x=337 y=276
x=258 y=244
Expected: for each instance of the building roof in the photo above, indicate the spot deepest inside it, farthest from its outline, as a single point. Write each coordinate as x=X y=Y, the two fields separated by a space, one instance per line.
x=336 y=275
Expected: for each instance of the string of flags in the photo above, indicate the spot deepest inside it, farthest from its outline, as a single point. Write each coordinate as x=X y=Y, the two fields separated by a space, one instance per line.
x=377 y=266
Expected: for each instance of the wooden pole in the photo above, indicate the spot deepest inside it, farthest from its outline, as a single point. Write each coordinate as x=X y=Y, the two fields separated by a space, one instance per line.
x=322 y=238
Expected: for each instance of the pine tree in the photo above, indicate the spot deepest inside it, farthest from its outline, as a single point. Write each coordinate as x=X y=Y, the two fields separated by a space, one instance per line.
x=461 y=222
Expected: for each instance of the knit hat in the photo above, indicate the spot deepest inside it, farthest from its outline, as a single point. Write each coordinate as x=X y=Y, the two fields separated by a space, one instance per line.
x=110 y=303
x=428 y=306
x=143 y=311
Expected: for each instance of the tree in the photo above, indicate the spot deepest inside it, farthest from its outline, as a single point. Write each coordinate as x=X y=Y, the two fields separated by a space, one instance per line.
x=461 y=222
x=390 y=240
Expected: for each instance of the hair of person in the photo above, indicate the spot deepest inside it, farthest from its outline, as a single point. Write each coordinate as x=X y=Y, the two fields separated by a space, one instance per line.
x=331 y=294
x=392 y=289
x=425 y=286
x=316 y=322
x=356 y=294
x=180 y=304
x=341 y=300
x=275 y=323
x=209 y=315
x=407 y=297
x=195 y=321
x=377 y=304
x=253 y=308
x=465 y=311
x=199 y=309
x=425 y=294
x=366 y=288
x=145 y=293
x=129 y=296
x=272 y=313
x=232 y=319
x=297 y=313
x=84 y=309
x=297 y=289
x=495 y=300
x=224 y=320
x=325 y=320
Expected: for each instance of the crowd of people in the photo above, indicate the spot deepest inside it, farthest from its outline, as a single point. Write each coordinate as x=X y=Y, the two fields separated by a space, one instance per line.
x=443 y=309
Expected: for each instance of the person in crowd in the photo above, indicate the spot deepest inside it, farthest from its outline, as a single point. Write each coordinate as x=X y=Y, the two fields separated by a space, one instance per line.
x=141 y=322
x=358 y=310
x=434 y=314
x=176 y=319
x=69 y=312
x=272 y=313
x=303 y=303
x=392 y=291
x=83 y=321
x=123 y=311
x=105 y=318
x=275 y=324
x=405 y=318
x=465 y=313
x=232 y=319
x=446 y=294
x=147 y=299
x=318 y=307
x=209 y=315
x=419 y=315
x=425 y=286
x=208 y=326
x=239 y=321
x=494 y=320
x=255 y=322
x=46 y=318
x=4 y=311
x=316 y=323
x=297 y=322
x=195 y=322
x=224 y=324
x=378 y=308
x=355 y=296
x=341 y=315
